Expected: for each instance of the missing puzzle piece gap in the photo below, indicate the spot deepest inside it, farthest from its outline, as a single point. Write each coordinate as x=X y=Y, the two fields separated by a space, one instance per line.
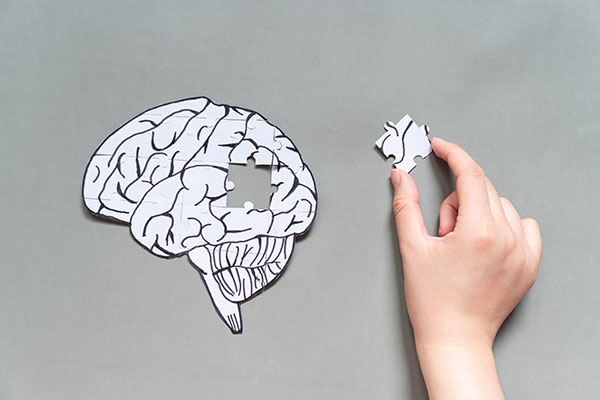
x=404 y=141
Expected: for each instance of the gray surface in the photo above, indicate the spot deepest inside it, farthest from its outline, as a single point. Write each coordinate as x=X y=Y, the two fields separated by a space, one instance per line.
x=86 y=313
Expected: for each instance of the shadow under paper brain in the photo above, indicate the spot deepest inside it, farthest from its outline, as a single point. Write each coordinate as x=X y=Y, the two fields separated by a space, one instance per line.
x=165 y=174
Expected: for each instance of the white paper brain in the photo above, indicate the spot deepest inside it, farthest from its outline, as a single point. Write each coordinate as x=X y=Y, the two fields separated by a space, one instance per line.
x=165 y=174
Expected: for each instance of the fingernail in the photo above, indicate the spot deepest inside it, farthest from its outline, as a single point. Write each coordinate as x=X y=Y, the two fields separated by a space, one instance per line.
x=439 y=140
x=396 y=177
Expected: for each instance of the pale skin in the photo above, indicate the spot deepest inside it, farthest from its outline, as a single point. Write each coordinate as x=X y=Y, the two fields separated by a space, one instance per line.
x=461 y=286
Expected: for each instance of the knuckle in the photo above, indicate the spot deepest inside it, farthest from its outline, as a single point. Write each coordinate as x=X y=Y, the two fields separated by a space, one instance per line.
x=532 y=222
x=534 y=266
x=400 y=204
x=531 y=277
x=450 y=199
x=484 y=238
x=521 y=258
x=446 y=204
x=474 y=171
x=510 y=244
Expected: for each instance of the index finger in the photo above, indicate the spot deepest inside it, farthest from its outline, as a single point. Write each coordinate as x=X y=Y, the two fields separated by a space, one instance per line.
x=471 y=188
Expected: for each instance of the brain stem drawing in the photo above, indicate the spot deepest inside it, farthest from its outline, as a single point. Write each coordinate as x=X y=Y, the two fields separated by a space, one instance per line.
x=164 y=173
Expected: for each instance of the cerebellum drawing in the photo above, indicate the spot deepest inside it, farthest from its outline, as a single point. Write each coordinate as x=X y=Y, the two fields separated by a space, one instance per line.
x=165 y=174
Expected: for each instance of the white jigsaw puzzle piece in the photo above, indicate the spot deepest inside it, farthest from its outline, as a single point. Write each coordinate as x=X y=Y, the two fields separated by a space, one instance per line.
x=258 y=143
x=119 y=192
x=404 y=141
x=206 y=174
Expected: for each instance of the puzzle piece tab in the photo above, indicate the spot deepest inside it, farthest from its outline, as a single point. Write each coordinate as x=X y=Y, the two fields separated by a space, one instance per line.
x=404 y=141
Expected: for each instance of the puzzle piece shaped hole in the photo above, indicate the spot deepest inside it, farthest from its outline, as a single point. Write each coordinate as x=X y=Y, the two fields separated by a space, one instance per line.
x=249 y=185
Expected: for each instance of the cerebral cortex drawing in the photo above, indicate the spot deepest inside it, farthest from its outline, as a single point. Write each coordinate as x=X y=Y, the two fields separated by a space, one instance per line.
x=404 y=141
x=165 y=174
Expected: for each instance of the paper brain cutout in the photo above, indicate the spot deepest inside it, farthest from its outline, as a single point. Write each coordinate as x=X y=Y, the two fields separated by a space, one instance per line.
x=165 y=174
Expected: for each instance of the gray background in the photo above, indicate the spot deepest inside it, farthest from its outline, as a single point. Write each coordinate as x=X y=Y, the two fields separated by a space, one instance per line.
x=85 y=313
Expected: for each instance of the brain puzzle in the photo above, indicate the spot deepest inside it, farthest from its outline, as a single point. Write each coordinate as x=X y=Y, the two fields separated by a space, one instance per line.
x=165 y=174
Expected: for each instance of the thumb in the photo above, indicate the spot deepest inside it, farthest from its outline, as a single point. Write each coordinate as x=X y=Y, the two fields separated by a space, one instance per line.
x=409 y=220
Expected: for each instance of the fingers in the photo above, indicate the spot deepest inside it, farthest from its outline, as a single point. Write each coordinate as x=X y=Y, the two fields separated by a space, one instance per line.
x=448 y=214
x=450 y=205
x=471 y=185
x=526 y=231
x=532 y=234
x=496 y=207
x=409 y=220
x=514 y=220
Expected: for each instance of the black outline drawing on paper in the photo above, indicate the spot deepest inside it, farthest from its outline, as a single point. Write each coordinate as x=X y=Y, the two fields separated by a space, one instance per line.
x=404 y=141
x=164 y=173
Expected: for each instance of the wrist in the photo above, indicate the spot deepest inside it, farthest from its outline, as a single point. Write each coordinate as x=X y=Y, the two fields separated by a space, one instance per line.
x=459 y=369
x=448 y=341
x=459 y=331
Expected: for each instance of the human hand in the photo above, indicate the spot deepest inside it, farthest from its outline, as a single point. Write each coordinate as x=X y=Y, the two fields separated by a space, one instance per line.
x=461 y=286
